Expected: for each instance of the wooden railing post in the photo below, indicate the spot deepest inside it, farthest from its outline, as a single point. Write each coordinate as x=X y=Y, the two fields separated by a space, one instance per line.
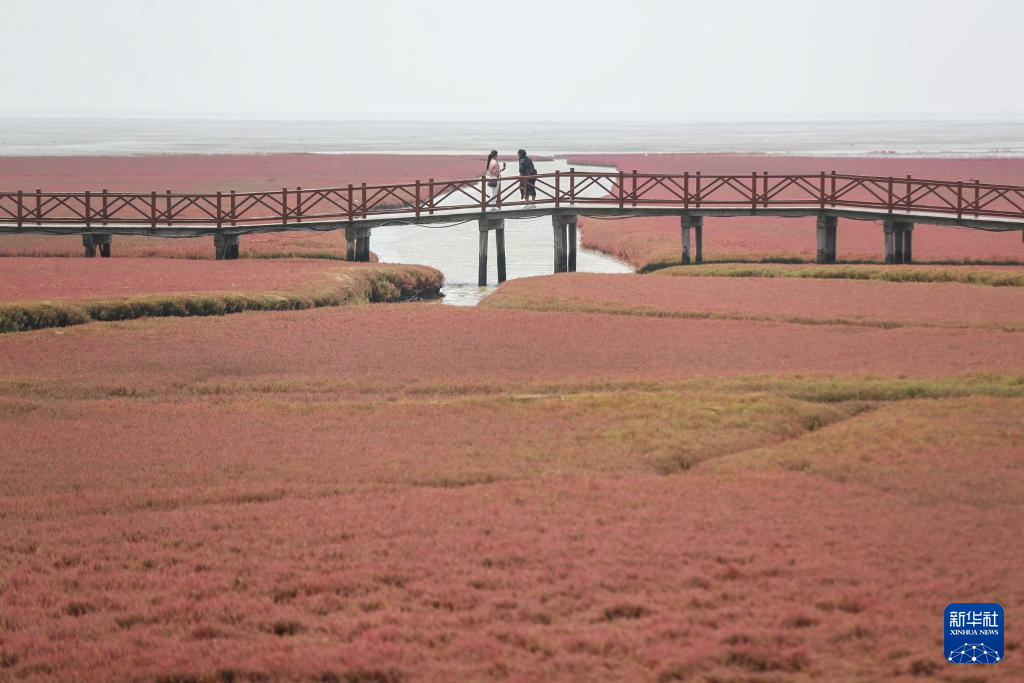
x=821 y=189
x=908 y=193
x=298 y=204
x=152 y=209
x=833 y=190
x=21 y=208
x=220 y=210
x=959 y=199
x=88 y=213
x=351 y=208
x=977 y=198
x=633 y=193
x=764 y=189
x=103 y=207
x=363 y=200
x=622 y=189
x=572 y=185
x=234 y=209
x=889 y=201
x=39 y=206
x=753 y=191
x=558 y=188
x=419 y=203
x=686 y=190
x=483 y=193
x=430 y=195
x=698 y=189
x=168 y=207
x=284 y=206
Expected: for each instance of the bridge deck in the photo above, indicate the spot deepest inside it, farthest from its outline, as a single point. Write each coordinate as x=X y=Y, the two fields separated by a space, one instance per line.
x=443 y=216
x=899 y=203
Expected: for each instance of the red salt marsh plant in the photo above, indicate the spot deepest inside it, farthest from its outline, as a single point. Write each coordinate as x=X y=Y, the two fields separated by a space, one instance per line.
x=934 y=452
x=650 y=243
x=242 y=172
x=785 y=299
x=620 y=578
x=289 y=443
x=56 y=292
x=417 y=347
x=327 y=245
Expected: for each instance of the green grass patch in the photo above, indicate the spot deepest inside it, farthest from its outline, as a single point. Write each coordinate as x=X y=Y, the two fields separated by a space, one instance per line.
x=892 y=273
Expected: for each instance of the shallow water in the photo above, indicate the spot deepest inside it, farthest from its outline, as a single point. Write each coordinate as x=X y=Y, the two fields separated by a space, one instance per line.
x=454 y=250
x=987 y=138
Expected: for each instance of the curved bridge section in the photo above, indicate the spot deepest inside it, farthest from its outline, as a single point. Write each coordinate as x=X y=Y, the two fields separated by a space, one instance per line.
x=899 y=202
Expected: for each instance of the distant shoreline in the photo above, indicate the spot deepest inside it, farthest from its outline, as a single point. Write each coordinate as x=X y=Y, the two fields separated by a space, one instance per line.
x=970 y=138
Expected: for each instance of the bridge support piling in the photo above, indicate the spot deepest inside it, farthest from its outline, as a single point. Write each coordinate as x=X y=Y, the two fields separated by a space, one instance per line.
x=481 y=278
x=363 y=246
x=558 y=226
x=826 y=239
x=94 y=243
x=696 y=223
x=898 y=236
x=499 y=246
x=226 y=247
x=350 y=244
x=571 y=240
x=698 y=239
x=498 y=226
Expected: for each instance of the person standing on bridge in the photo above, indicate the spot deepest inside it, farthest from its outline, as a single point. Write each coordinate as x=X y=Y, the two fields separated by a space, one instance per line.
x=528 y=179
x=493 y=177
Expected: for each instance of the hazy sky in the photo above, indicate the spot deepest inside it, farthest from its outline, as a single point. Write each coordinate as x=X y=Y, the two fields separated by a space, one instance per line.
x=507 y=60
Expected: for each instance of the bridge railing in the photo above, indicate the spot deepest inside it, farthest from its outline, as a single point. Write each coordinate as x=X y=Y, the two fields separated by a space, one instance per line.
x=553 y=190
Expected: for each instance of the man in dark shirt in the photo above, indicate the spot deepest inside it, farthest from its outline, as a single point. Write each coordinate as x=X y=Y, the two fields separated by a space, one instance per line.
x=528 y=182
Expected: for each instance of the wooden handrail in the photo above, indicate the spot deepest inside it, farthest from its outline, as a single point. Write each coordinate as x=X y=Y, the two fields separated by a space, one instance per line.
x=685 y=191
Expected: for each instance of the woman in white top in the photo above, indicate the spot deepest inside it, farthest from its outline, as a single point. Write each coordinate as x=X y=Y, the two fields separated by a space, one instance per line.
x=493 y=177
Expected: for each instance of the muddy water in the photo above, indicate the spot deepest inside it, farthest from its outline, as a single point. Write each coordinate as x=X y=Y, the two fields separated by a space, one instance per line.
x=453 y=250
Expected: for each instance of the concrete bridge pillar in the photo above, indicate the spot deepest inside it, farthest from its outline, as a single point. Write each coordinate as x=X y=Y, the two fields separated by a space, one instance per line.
x=498 y=226
x=363 y=245
x=226 y=246
x=97 y=242
x=559 y=224
x=686 y=222
x=357 y=244
x=908 y=243
x=350 y=244
x=898 y=238
x=571 y=241
x=827 y=239
x=499 y=245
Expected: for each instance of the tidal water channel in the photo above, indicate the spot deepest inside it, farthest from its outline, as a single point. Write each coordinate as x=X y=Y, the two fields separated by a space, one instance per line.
x=454 y=250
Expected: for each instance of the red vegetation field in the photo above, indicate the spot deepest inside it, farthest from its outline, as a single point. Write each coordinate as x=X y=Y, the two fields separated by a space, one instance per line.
x=640 y=577
x=43 y=292
x=201 y=173
x=42 y=278
x=209 y=173
x=644 y=242
x=422 y=493
x=788 y=299
x=423 y=346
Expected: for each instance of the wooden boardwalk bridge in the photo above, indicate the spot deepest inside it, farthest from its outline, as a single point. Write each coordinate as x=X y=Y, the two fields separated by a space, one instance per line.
x=899 y=203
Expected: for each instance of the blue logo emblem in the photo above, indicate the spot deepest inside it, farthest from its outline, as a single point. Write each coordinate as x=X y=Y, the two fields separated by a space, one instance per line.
x=974 y=633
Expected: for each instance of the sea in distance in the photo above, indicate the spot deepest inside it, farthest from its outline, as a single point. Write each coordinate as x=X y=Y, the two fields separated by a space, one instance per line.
x=945 y=138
